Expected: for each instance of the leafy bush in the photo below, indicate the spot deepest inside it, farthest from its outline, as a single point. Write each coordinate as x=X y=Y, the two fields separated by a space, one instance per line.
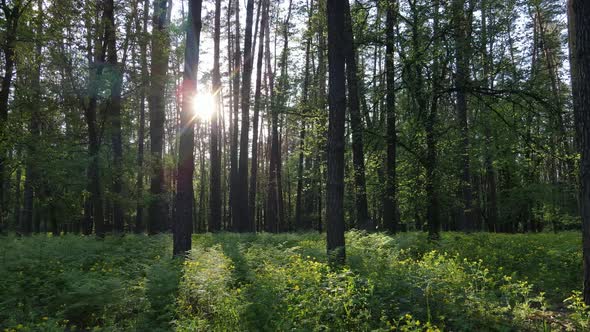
x=264 y=282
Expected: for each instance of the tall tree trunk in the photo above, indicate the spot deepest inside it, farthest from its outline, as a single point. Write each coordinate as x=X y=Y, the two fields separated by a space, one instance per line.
x=278 y=105
x=335 y=152
x=234 y=171
x=390 y=221
x=17 y=196
x=183 y=223
x=490 y=177
x=139 y=220
x=257 y=104
x=215 y=162
x=301 y=215
x=114 y=114
x=433 y=208
x=461 y=86
x=356 y=123
x=242 y=221
x=579 y=39
x=320 y=174
x=32 y=171
x=11 y=16
x=160 y=43
x=96 y=61
x=271 y=223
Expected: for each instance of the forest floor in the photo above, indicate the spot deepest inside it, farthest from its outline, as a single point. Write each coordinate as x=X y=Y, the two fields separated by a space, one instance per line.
x=264 y=282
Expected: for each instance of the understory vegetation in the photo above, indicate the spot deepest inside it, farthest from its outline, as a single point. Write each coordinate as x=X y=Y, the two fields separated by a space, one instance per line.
x=264 y=282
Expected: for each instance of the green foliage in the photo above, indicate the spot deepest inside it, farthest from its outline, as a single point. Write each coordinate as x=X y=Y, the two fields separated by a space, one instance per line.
x=264 y=282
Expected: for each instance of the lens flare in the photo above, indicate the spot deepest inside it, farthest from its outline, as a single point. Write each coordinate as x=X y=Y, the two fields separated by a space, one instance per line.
x=203 y=105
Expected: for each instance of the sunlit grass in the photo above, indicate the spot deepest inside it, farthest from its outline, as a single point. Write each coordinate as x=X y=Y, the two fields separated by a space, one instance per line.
x=237 y=282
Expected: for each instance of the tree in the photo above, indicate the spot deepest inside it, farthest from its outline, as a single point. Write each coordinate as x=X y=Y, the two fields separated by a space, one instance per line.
x=461 y=34
x=215 y=162
x=301 y=216
x=115 y=113
x=337 y=108
x=35 y=130
x=433 y=214
x=363 y=220
x=234 y=129
x=257 y=105
x=12 y=15
x=579 y=43
x=242 y=221
x=94 y=210
x=276 y=211
x=390 y=222
x=157 y=116
x=271 y=223
x=183 y=223
x=143 y=41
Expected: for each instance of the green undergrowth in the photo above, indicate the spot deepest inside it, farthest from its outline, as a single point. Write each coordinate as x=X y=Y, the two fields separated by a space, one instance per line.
x=264 y=282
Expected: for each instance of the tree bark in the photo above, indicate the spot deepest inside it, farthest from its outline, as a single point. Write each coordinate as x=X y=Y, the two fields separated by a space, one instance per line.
x=363 y=220
x=32 y=171
x=390 y=221
x=579 y=40
x=139 y=220
x=160 y=43
x=301 y=214
x=242 y=221
x=271 y=222
x=96 y=61
x=215 y=162
x=114 y=113
x=433 y=208
x=234 y=171
x=335 y=152
x=257 y=104
x=461 y=86
x=12 y=16
x=183 y=223
x=490 y=173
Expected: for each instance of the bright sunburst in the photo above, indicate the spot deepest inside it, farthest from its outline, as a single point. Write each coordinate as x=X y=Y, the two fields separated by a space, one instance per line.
x=203 y=105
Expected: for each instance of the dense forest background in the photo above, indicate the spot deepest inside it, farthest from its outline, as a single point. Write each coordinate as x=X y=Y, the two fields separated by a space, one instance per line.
x=482 y=120
x=401 y=135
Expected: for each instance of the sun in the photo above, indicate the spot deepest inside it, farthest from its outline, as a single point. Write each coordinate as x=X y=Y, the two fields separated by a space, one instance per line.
x=203 y=105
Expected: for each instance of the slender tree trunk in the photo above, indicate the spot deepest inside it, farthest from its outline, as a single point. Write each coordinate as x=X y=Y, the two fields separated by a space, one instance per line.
x=11 y=16
x=228 y=136
x=31 y=179
x=579 y=39
x=461 y=85
x=490 y=177
x=96 y=61
x=433 y=209
x=356 y=123
x=139 y=220
x=390 y=221
x=160 y=43
x=277 y=216
x=243 y=224
x=257 y=104
x=337 y=110
x=271 y=219
x=234 y=175
x=183 y=223
x=114 y=114
x=215 y=162
x=17 y=196
x=301 y=215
